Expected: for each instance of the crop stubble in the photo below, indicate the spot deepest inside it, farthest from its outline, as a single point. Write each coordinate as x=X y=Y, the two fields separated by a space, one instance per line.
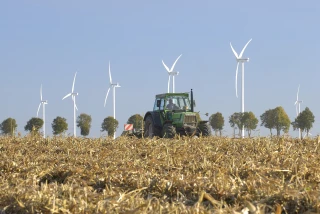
x=186 y=175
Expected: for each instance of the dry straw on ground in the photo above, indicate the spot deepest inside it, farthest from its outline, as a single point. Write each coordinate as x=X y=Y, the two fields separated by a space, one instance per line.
x=128 y=175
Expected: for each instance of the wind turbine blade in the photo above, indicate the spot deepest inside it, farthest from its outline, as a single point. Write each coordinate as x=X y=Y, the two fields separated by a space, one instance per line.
x=298 y=93
x=237 y=79
x=105 y=100
x=38 y=109
x=166 y=67
x=234 y=52
x=74 y=80
x=66 y=96
x=110 y=74
x=295 y=103
x=244 y=48
x=41 y=92
x=175 y=62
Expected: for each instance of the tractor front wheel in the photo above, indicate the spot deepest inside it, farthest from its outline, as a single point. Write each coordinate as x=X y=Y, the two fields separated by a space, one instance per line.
x=149 y=130
x=205 y=129
x=168 y=131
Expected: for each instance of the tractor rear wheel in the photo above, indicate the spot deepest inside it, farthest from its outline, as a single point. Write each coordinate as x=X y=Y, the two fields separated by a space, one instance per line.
x=168 y=131
x=204 y=129
x=149 y=130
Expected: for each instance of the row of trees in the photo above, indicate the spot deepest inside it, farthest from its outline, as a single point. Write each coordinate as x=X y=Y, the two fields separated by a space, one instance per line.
x=271 y=119
x=60 y=125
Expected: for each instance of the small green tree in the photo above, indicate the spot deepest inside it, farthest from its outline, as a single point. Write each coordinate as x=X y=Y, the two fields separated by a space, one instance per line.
x=249 y=121
x=268 y=119
x=59 y=125
x=304 y=121
x=281 y=120
x=34 y=125
x=84 y=123
x=217 y=122
x=109 y=125
x=8 y=126
x=235 y=121
x=136 y=120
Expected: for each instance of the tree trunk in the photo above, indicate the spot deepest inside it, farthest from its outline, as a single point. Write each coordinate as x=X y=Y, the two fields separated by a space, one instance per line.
x=271 y=132
x=220 y=132
x=249 y=133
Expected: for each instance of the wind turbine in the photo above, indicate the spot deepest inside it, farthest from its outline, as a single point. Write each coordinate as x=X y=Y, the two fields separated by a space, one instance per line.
x=73 y=96
x=242 y=61
x=113 y=85
x=297 y=104
x=43 y=102
x=171 y=73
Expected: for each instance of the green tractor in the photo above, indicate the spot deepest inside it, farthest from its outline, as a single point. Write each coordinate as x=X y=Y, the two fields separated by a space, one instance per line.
x=173 y=113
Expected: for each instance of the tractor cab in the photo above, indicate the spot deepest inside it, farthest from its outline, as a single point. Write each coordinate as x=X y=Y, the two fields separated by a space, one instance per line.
x=172 y=102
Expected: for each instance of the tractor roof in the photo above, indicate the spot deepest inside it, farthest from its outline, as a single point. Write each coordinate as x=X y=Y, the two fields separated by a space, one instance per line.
x=172 y=94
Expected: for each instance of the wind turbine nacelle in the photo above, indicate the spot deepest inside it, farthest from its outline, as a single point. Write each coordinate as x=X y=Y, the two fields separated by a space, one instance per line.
x=243 y=60
x=75 y=93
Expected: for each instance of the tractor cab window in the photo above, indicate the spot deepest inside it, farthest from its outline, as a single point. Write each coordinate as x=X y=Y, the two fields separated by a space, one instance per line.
x=162 y=104
x=159 y=104
x=177 y=103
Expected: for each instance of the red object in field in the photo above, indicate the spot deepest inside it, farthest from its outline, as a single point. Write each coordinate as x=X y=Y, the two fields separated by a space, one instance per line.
x=128 y=127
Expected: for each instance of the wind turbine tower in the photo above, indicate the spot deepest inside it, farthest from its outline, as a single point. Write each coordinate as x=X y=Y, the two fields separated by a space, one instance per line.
x=297 y=104
x=241 y=60
x=113 y=86
x=73 y=96
x=43 y=103
x=171 y=73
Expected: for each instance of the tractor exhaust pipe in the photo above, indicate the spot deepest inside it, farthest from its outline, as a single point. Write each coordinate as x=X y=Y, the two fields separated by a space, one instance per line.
x=191 y=94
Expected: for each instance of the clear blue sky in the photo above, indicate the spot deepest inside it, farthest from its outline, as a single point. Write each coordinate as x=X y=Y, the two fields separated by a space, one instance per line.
x=46 y=42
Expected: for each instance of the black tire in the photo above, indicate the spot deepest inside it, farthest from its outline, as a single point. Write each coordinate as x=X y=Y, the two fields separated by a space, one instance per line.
x=204 y=129
x=168 y=131
x=149 y=130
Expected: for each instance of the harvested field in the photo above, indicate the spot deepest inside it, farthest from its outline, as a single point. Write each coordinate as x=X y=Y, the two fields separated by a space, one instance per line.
x=128 y=175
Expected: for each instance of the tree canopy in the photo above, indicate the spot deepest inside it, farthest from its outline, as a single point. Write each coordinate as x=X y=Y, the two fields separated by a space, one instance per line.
x=8 y=126
x=136 y=120
x=276 y=119
x=268 y=119
x=217 y=122
x=235 y=121
x=84 y=123
x=281 y=120
x=59 y=125
x=34 y=125
x=109 y=125
x=304 y=121
x=249 y=121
